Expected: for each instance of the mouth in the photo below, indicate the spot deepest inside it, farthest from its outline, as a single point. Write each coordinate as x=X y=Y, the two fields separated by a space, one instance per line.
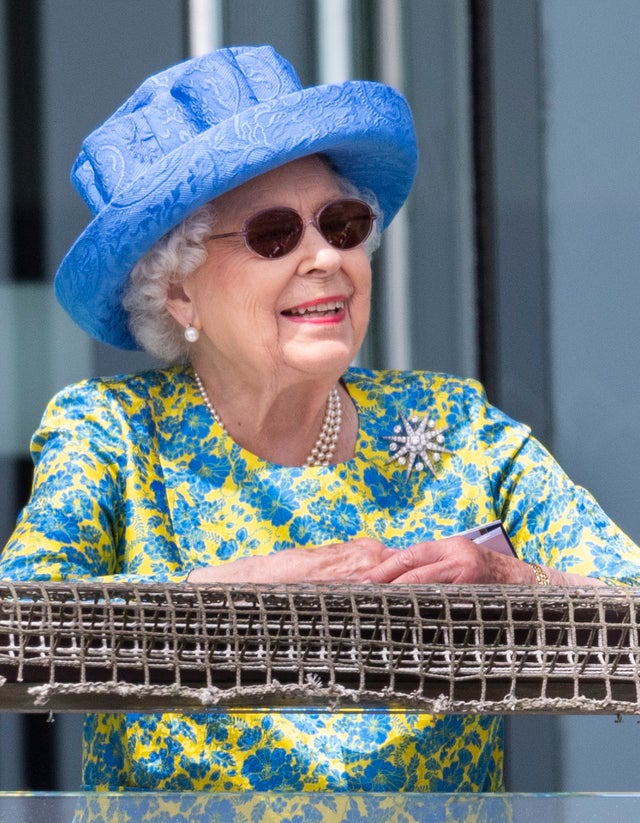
x=321 y=310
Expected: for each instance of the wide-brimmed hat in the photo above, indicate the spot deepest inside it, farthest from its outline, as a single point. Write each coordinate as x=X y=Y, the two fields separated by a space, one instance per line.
x=199 y=129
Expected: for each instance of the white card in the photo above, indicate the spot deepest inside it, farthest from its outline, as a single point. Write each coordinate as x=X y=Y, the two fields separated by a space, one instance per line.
x=490 y=536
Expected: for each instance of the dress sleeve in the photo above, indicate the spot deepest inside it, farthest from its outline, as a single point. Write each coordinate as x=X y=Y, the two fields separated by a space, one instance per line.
x=550 y=519
x=75 y=523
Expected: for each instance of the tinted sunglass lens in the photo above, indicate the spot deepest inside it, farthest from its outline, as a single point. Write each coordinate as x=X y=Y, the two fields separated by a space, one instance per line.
x=346 y=224
x=274 y=232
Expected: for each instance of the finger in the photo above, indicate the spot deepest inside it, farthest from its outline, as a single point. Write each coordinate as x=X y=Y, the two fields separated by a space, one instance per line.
x=433 y=573
x=402 y=562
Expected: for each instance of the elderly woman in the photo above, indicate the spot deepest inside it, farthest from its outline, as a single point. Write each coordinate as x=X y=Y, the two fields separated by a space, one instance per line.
x=235 y=215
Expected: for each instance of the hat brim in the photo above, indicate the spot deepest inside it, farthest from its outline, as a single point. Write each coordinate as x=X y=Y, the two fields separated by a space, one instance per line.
x=365 y=128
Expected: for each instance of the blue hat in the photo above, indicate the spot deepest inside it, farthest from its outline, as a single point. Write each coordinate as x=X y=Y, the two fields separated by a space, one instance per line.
x=199 y=129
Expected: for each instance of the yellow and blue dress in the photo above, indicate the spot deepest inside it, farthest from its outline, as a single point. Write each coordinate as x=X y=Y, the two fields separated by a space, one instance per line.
x=134 y=481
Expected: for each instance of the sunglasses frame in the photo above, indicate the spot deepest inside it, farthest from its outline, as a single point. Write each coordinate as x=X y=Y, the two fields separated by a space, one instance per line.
x=313 y=221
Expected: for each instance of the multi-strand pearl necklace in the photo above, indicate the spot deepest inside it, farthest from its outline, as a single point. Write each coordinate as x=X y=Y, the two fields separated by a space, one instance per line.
x=324 y=447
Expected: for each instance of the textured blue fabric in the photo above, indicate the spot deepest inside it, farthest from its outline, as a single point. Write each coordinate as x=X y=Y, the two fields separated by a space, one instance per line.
x=201 y=128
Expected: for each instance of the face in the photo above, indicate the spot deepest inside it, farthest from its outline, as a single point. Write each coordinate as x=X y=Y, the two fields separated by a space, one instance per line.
x=297 y=316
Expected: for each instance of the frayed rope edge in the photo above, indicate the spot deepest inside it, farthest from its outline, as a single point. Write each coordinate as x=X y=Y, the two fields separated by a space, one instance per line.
x=332 y=698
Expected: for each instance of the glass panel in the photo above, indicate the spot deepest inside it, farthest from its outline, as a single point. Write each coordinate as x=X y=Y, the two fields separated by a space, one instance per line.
x=339 y=808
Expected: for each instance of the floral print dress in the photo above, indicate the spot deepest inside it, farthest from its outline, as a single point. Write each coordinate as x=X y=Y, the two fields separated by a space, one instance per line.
x=134 y=481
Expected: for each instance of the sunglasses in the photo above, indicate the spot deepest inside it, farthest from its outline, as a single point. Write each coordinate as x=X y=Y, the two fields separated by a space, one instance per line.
x=276 y=232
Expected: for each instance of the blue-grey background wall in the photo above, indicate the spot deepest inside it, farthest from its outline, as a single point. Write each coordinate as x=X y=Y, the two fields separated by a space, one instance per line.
x=591 y=112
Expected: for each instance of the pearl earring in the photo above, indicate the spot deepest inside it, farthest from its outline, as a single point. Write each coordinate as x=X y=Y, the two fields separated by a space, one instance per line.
x=191 y=334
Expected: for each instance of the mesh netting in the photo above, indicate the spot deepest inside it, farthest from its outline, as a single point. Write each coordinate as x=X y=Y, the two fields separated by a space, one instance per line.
x=89 y=647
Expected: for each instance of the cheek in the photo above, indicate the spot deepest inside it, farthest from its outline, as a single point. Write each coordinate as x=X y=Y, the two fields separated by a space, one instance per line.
x=362 y=307
x=243 y=312
x=361 y=270
x=220 y=296
x=360 y=315
x=362 y=283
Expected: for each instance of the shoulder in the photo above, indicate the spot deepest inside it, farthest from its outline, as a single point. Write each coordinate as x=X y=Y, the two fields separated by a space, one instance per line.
x=124 y=389
x=113 y=404
x=410 y=384
x=459 y=403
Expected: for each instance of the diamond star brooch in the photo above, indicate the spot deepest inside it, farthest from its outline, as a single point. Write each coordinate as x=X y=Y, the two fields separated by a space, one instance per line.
x=418 y=446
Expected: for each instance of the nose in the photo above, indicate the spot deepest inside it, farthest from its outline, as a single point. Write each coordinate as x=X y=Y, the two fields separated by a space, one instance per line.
x=318 y=255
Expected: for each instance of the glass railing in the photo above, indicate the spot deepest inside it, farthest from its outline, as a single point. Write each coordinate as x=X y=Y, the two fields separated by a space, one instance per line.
x=194 y=807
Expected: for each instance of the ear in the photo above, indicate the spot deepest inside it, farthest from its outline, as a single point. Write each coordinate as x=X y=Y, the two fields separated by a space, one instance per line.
x=179 y=305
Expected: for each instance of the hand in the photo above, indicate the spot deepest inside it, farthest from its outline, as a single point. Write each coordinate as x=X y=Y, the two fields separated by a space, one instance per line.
x=452 y=560
x=339 y=562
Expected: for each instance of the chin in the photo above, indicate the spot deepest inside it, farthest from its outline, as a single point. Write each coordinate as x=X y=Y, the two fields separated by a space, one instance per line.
x=331 y=358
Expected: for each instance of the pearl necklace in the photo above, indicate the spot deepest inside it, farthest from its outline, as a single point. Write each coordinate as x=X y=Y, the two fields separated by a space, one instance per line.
x=324 y=447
